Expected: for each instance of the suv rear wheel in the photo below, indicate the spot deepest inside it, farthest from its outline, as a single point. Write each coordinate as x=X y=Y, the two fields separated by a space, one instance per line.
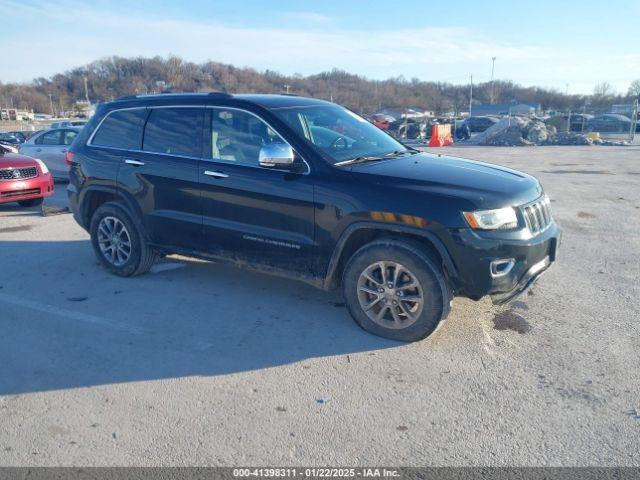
x=118 y=242
x=393 y=289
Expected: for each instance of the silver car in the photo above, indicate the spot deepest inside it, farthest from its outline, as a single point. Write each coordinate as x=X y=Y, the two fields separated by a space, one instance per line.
x=51 y=146
x=69 y=123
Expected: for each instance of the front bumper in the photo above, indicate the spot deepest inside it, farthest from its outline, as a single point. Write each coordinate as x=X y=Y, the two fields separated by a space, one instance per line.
x=525 y=283
x=525 y=260
x=18 y=190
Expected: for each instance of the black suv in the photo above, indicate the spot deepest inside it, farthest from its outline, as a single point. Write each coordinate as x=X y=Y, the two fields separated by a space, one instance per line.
x=308 y=189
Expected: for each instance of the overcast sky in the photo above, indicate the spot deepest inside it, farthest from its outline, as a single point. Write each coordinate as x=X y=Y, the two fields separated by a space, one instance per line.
x=560 y=44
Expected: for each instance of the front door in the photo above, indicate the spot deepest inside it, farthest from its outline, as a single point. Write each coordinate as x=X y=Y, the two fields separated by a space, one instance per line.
x=253 y=214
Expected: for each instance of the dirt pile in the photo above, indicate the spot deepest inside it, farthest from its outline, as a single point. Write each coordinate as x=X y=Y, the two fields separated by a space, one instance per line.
x=521 y=131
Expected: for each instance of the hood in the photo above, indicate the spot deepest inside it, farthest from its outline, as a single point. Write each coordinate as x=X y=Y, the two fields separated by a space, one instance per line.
x=484 y=184
x=13 y=160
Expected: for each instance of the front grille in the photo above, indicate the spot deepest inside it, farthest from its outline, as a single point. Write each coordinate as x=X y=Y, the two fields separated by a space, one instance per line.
x=19 y=193
x=18 y=173
x=537 y=215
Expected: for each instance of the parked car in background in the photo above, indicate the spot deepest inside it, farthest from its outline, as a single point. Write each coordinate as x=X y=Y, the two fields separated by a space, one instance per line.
x=408 y=129
x=10 y=138
x=68 y=123
x=480 y=124
x=19 y=135
x=24 y=180
x=460 y=131
x=382 y=120
x=609 y=123
x=578 y=122
x=51 y=146
x=8 y=148
x=308 y=189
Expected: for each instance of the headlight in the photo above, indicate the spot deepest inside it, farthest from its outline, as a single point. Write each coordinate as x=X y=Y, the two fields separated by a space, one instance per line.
x=43 y=167
x=492 y=219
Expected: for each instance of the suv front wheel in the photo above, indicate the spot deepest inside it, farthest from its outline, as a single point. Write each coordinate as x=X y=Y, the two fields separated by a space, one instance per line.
x=118 y=242
x=393 y=289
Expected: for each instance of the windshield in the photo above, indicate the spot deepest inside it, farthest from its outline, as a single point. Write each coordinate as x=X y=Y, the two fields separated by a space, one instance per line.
x=339 y=133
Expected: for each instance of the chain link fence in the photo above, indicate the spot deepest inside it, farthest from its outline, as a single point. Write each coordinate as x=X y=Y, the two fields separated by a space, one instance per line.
x=618 y=122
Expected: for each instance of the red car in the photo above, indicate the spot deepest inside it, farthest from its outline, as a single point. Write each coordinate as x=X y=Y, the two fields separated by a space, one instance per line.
x=24 y=180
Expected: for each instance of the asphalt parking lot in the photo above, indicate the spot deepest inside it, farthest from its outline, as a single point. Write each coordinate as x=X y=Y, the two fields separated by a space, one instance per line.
x=202 y=364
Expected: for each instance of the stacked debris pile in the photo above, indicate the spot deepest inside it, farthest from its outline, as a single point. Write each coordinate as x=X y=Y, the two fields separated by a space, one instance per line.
x=522 y=131
x=569 y=138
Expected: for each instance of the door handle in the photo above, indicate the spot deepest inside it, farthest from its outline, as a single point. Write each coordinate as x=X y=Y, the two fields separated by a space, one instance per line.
x=64 y=150
x=216 y=174
x=133 y=162
x=38 y=149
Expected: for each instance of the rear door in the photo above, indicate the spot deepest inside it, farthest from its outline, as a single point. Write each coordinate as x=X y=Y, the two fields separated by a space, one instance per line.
x=57 y=158
x=253 y=214
x=162 y=176
x=46 y=147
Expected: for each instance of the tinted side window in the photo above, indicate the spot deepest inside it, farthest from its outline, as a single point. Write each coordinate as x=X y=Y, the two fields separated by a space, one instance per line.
x=174 y=131
x=238 y=136
x=52 y=137
x=68 y=136
x=121 y=129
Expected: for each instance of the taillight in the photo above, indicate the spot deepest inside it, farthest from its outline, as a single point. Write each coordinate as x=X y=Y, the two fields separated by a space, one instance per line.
x=69 y=158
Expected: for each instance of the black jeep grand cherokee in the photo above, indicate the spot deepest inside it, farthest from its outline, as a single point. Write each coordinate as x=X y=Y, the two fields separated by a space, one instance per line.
x=308 y=189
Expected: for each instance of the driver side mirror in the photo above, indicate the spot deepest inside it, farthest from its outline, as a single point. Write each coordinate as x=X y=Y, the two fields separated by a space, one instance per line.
x=276 y=155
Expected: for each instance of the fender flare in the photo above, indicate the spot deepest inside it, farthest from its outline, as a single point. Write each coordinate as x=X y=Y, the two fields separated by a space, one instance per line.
x=449 y=266
x=128 y=201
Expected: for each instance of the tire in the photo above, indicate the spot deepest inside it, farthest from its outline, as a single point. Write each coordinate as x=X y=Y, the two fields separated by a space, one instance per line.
x=34 y=202
x=417 y=319
x=139 y=255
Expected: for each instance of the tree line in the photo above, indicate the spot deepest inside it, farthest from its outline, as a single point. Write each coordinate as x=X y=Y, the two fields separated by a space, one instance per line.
x=113 y=77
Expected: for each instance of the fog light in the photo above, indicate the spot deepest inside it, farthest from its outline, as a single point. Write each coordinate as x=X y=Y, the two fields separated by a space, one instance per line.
x=500 y=268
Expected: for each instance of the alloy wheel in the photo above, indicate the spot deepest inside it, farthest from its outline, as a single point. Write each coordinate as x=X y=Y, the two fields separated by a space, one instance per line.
x=114 y=241
x=390 y=294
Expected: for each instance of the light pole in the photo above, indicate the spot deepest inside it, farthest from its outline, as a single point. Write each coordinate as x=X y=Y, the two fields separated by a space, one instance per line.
x=287 y=88
x=493 y=67
x=470 y=94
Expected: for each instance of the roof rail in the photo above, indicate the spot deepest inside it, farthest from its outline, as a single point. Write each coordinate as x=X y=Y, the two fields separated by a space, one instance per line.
x=220 y=94
x=169 y=92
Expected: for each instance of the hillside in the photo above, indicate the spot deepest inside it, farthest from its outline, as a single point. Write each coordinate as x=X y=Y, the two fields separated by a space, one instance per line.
x=115 y=76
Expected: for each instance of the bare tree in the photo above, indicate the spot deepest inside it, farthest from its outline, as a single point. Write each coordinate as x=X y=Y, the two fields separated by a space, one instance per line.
x=603 y=90
x=634 y=89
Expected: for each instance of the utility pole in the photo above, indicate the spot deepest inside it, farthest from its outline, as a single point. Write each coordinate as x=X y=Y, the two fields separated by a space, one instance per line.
x=634 y=121
x=493 y=67
x=470 y=94
x=86 y=90
x=287 y=88
x=51 y=104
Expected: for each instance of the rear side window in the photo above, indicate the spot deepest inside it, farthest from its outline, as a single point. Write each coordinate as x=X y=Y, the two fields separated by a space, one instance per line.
x=121 y=129
x=174 y=131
